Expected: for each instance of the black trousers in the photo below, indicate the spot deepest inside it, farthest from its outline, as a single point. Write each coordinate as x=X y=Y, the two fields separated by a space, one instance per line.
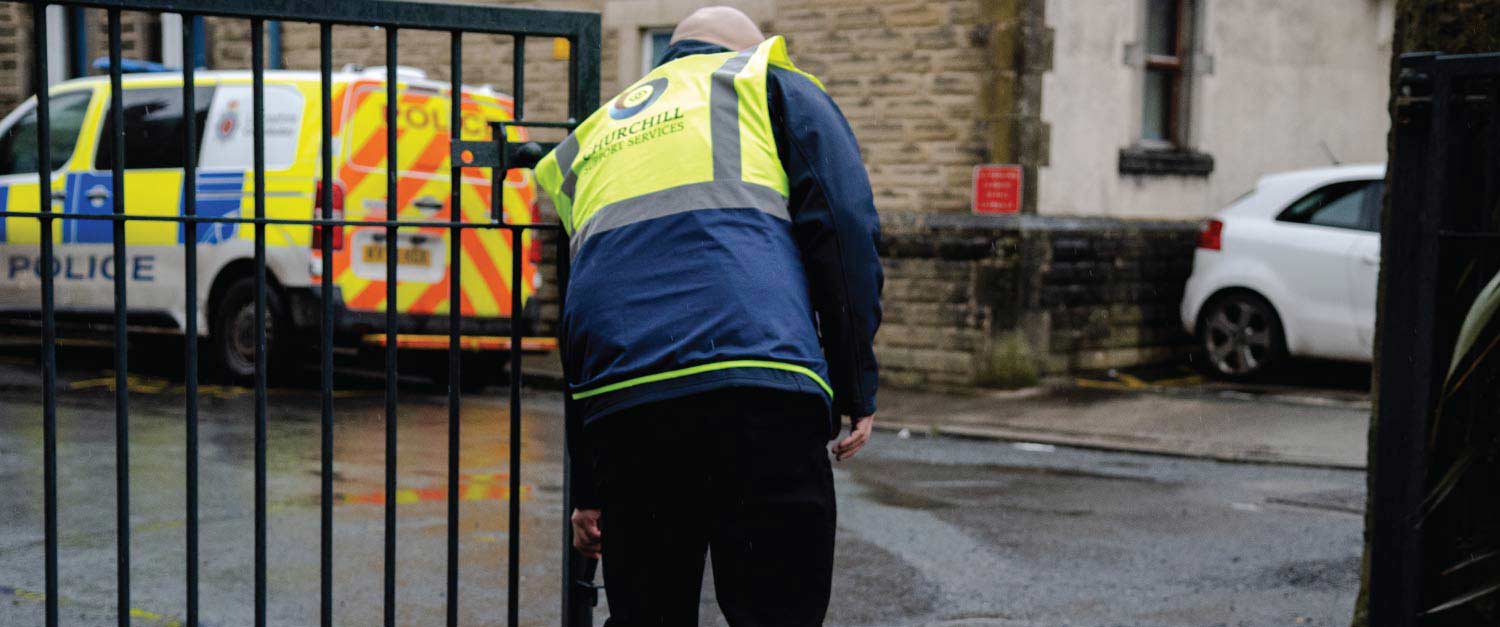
x=743 y=474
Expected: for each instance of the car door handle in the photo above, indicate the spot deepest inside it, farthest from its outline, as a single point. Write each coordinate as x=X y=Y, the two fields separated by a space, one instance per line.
x=97 y=194
x=428 y=203
x=59 y=196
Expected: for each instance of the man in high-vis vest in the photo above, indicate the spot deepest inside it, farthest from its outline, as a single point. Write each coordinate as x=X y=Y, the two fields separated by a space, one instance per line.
x=724 y=297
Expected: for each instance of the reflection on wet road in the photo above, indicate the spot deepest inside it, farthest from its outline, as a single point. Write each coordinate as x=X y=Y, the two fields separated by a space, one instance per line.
x=932 y=531
x=87 y=501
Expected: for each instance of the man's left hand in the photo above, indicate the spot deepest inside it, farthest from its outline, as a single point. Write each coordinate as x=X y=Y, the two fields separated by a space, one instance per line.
x=859 y=433
x=586 y=534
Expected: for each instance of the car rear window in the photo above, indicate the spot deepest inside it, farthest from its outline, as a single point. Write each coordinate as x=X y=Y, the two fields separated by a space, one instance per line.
x=1340 y=205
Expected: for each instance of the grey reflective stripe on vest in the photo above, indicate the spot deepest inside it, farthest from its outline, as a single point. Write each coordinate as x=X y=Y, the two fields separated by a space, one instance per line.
x=566 y=151
x=724 y=105
x=681 y=199
x=726 y=191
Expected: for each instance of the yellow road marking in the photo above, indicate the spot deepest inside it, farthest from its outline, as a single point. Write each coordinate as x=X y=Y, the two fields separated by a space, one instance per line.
x=154 y=618
x=1103 y=385
x=1132 y=381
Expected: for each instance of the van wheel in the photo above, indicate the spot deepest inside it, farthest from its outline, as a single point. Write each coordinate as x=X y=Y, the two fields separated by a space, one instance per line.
x=1240 y=336
x=233 y=333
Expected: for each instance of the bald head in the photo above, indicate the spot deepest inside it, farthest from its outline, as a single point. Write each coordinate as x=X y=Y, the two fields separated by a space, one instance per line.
x=725 y=26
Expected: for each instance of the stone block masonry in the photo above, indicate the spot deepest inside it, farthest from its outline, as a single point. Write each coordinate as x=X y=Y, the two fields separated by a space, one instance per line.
x=999 y=301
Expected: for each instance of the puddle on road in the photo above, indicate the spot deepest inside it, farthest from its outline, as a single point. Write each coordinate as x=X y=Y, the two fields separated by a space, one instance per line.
x=887 y=494
x=925 y=486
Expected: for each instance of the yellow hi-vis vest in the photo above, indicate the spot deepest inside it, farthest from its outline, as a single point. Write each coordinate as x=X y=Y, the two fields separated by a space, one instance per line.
x=692 y=134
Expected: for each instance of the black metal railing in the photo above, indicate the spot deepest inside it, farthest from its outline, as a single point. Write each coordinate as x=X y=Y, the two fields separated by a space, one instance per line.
x=581 y=30
x=1440 y=245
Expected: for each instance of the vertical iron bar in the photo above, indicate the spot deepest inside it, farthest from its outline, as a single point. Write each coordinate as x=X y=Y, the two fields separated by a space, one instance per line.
x=258 y=98
x=392 y=174
x=514 y=530
x=1408 y=383
x=570 y=597
x=455 y=316
x=570 y=585
x=49 y=326
x=190 y=337
x=518 y=77
x=325 y=345
x=122 y=345
x=583 y=98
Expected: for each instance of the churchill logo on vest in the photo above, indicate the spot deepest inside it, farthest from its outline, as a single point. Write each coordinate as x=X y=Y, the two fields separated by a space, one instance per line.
x=637 y=99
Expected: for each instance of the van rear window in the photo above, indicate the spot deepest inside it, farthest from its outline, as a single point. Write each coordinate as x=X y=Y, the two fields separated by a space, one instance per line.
x=153 y=128
x=423 y=119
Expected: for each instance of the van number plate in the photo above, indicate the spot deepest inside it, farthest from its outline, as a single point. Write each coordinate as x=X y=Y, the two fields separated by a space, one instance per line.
x=375 y=253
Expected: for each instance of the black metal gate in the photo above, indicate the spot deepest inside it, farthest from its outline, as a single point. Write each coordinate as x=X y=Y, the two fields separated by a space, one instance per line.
x=581 y=30
x=1441 y=244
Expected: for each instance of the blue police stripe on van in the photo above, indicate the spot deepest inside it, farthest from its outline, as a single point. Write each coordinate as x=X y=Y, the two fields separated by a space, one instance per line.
x=219 y=195
x=4 y=202
x=89 y=193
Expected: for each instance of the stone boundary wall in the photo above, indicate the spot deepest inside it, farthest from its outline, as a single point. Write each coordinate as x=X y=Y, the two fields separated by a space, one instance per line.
x=999 y=301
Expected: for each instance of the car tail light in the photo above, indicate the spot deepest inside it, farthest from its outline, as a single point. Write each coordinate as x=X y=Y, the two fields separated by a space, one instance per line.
x=1211 y=234
x=337 y=214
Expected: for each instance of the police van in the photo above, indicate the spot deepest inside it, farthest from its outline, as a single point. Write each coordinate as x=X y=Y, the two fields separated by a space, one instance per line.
x=81 y=181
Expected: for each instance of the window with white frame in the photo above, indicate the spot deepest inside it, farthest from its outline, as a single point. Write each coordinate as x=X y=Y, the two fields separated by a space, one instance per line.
x=1168 y=45
x=1166 y=56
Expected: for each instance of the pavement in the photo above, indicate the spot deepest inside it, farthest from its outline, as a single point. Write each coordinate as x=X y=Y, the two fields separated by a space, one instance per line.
x=933 y=530
x=1311 y=413
x=1202 y=426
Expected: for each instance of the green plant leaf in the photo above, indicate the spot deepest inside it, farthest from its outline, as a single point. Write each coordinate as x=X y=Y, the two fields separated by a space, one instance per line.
x=1477 y=559
x=1449 y=481
x=1480 y=313
x=1482 y=591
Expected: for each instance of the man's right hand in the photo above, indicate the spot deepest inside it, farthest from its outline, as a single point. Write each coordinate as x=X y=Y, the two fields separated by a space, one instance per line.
x=586 y=534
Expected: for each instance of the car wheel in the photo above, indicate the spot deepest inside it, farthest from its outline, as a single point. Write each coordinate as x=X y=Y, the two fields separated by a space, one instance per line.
x=233 y=332
x=1240 y=336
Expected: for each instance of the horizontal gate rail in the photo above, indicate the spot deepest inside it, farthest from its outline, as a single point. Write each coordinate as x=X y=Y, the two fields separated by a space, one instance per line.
x=581 y=30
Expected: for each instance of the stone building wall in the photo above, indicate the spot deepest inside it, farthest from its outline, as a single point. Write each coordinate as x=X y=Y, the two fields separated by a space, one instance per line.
x=1000 y=301
x=908 y=75
x=15 y=54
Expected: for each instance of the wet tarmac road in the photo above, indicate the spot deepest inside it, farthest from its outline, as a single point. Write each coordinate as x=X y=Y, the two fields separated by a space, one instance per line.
x=932 y=530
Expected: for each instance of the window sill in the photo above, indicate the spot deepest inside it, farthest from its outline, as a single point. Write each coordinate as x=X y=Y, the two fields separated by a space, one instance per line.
x=1165 y=162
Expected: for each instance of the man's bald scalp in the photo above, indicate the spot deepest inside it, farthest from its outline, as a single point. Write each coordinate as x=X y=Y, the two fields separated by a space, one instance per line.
x=724 y=26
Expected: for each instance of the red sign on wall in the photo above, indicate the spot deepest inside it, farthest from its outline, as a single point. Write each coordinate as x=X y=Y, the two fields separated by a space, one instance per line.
x=997 y=188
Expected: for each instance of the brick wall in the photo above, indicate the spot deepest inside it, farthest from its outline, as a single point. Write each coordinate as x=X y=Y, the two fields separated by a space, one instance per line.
x=1000 y=301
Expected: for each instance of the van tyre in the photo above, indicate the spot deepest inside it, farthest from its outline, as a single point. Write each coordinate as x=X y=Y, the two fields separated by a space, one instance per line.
x=232 y=336
x=1240 y=337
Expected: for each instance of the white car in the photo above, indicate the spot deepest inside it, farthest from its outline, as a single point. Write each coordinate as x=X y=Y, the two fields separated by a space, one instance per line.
x=1289 y=269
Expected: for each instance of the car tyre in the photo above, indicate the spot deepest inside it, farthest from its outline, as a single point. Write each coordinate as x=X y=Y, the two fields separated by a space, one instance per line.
x=232 y=334
x=1240 y=337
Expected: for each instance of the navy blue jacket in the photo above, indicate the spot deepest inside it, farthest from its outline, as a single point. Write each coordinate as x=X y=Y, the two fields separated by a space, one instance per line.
x=834 y=230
